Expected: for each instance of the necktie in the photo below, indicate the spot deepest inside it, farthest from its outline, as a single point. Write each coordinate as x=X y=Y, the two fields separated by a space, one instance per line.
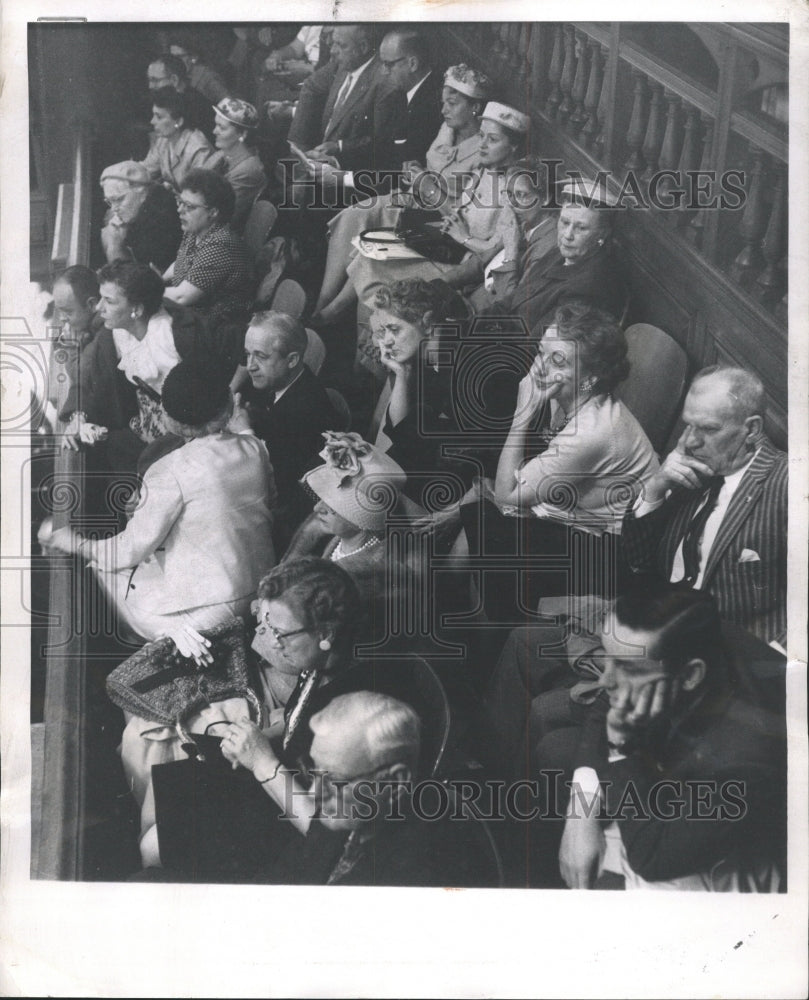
x=693 y=535
x=341 y=98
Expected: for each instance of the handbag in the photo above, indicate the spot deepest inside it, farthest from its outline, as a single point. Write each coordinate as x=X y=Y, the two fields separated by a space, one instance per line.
x=213 y=821
x=158 y=683
x=418 y=229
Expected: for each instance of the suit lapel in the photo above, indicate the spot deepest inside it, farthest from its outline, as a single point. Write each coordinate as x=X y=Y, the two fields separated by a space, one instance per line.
x=360 y=89
x=742 y=503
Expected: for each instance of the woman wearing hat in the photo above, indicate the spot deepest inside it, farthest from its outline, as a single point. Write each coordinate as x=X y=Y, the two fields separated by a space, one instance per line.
x=455 y=152
x=163 y=572
x=473 y=221
x=356 y=489
x=234 y=132
x=584 y=263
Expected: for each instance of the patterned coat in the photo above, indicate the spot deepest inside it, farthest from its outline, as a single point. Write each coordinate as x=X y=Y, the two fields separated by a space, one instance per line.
x=750 y=593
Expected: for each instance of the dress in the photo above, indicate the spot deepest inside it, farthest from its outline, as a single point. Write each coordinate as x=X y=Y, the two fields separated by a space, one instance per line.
x=149 y=359
x=452 y=162
x=248 y=180
x=169 y=161
x=590 y=472
x=217 y=262
x=546 y=281
x=747 y=565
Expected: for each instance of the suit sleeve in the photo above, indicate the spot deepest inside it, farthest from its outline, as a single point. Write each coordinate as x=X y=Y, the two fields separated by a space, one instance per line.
x=642 y=537
x=305 y=130
x=671 y=827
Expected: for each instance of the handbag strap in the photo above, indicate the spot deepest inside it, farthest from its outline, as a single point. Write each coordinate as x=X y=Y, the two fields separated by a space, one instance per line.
x=187 y=739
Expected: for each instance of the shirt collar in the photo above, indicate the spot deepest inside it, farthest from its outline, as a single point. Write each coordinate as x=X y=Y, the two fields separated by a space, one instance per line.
x=352 y=76
x=413 y=90
x=735 y=477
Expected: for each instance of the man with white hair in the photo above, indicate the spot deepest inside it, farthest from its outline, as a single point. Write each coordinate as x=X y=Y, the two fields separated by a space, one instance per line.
x=715 y=514
x=365 y=819
x=142 y=224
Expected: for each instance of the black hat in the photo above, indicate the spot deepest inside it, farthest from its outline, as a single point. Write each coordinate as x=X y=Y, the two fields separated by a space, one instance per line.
x=195 y=393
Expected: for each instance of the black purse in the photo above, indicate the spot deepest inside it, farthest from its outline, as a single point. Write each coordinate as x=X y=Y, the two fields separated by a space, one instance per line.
x=417 y=229
x=214 y=822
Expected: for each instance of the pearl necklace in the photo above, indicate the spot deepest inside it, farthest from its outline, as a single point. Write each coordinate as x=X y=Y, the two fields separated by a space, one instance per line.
x=338 y=553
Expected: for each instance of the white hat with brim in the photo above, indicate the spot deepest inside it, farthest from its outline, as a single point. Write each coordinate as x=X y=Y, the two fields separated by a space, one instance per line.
x=586 y=191
x=358 y=481
x=506 y=116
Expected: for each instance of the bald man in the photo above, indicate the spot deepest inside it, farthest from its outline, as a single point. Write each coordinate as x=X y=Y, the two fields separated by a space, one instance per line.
x=715 y=514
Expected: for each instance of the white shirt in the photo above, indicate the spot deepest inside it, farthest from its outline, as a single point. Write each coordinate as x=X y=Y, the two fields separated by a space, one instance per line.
x=151 y=358
x=280 y=392
x=729 y=487
x=413 y=89
x=309 y=37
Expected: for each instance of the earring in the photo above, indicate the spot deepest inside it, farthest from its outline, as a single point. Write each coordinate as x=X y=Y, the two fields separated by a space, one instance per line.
x=601 y=243
x=133 y=314
x=587 y=384
x=325 y=645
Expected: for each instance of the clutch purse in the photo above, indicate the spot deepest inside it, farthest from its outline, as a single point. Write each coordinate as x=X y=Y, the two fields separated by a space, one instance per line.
x=418 y=229
x=160 y=684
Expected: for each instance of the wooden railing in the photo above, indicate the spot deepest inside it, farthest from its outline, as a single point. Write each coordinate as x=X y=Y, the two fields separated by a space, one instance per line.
x=621 y=97
x=60 y=851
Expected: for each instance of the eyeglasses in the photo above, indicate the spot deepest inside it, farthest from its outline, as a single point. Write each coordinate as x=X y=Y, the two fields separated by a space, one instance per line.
x=389 y=65
x=187 y=206
x=330 y=782
x=278 y=636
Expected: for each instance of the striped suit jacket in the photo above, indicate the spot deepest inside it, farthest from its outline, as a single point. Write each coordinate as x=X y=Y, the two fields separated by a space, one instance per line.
x=751 y=593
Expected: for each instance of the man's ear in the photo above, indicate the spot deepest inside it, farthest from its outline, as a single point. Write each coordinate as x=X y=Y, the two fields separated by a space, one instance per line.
x=92 y=302
x=692 y=674
x=294 y=358
x=755 y=427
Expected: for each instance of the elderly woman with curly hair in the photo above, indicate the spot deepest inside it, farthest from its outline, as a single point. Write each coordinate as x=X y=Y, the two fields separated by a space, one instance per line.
x=574 y=460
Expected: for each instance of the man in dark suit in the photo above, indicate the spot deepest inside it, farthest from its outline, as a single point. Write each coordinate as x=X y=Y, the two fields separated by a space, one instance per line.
x=287 y=407
x=690 y=770
x=715 y=514
x=405 y=57
x=170 y=71
x=413 y=102
x=359 y=117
